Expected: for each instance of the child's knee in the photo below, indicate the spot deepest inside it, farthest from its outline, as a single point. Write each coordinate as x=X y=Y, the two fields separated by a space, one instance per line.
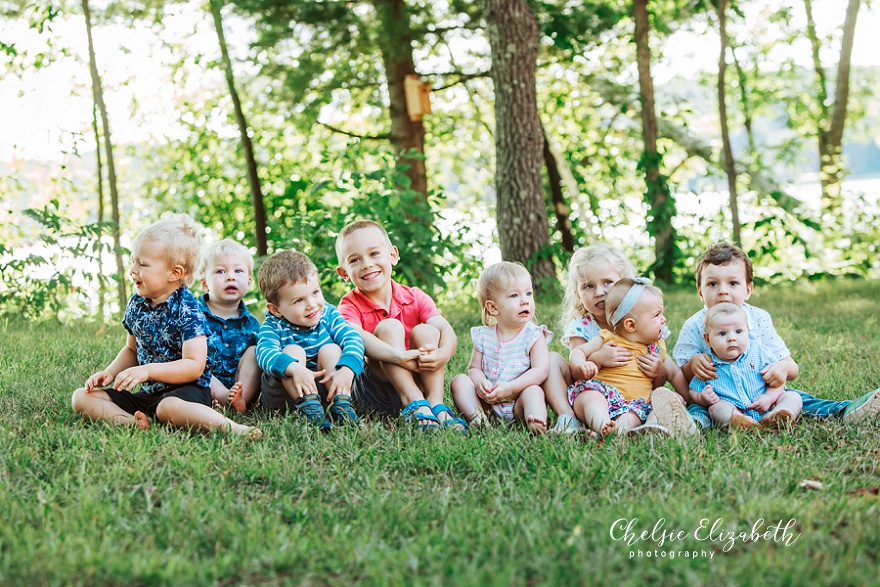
x=424 y=334
x=329 y=352
x=76 y=400
x=295 y=351
x=461 y=384
x=390 y=330
x=165 y=408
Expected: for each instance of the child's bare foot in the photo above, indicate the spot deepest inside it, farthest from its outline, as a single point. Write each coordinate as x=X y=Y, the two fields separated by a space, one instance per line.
x=248 y=431
x=216 y=405
x=141 y=420
x=236 y=397
x=536 y=425
x=609 y=428
x=777 y=420
x=741 y=422
x=478 y=420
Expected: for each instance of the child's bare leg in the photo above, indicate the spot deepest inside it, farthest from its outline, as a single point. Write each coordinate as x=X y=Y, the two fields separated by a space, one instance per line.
x=248 y=375
x=532 y=407
x=403 y=381
x=725 y=413
x=219 y=393
x=432 y=383
x=328 y=357
x=591 y=408
x=626 y=422
x=464 y=394
x=556 y=386
x=183 y=414
x=97 y=405
x=299 y=354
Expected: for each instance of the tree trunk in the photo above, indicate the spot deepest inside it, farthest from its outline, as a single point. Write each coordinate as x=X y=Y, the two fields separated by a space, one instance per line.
x=661 y=208
x=250 y=160
x=560 y=206
x=521 y=216
x=111 y=168
x=729 y=162
x=832 y=117
x=99 y=173
x=396 y=45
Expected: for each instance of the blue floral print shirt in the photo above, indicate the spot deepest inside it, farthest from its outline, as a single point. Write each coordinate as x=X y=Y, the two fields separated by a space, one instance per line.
x=229 y=339
x=161 y=330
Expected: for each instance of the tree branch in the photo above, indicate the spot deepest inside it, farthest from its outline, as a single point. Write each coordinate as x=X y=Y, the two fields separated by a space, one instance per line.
x=462 y=78
x=382 y=137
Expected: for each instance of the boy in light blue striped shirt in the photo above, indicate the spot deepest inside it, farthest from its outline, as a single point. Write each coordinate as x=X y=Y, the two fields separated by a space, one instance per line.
x=739 y=396
x=302 y=339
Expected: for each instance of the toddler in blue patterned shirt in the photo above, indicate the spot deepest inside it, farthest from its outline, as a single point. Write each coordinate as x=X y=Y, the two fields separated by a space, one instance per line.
x=166 y=349
x=227 y=274
x=739 y=396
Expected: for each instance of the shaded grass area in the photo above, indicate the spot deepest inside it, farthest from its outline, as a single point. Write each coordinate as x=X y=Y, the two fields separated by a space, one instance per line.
x=385 y=505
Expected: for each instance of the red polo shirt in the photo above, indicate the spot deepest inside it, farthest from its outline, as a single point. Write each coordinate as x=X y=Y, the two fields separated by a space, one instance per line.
x=409 y=305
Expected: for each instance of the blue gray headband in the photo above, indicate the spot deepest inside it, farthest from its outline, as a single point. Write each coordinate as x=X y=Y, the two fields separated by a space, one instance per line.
x=629 y=300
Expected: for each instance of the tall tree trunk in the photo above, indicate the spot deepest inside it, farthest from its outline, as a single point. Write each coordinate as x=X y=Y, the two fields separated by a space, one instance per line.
x=523 y=228
x=560 y=206
x=396 y=45
x=250 y=160
x=99 y=173
x=111 y=168
x=832 y=117
x=661 y=208
x=729 y=162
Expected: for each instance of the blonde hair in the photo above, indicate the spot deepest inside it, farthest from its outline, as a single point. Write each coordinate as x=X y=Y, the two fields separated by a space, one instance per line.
x=181 y=238
x=352 y=228
x=281 y=268
x=225 y=248
x=493 y=280
x=721 y=310
x=572 y=306
x=615 y=296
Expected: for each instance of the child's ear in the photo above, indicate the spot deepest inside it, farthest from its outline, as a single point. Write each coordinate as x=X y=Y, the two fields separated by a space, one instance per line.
x=273 y=309
x=342 y=273
x=395 y=255
x=749 y=287
x=204 y=285
x=629 y=324
x=706 y=337
x=491 y=308
x=177 y=273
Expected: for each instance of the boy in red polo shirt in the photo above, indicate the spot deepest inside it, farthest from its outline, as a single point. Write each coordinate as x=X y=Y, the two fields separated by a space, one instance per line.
x=407 y=341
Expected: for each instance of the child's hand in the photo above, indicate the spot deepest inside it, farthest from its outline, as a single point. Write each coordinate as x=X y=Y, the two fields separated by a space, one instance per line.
x=762 y=403
x=338 y=382
x=99 y=379
x=775 y=374
x=611 y=355
x=702 y=367
x=483 y=389
x=303 y=379
x=130 y=377
x=409 y=359
x=651 y=365
x=709 y=397
x=499 y=393
x=429 y=359
x=586 y=370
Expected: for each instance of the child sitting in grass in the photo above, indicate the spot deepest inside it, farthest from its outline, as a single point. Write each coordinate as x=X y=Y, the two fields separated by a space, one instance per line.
x=510 y=359
x=227 y=274
x=724 y=274
x=620 y=398
x=304 y=338
x=166 y=349
x=408 y=343
x=738 y=396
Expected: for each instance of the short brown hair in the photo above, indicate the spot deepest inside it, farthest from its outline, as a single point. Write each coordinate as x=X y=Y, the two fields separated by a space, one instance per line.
x=281 y=268
x=355 y=226
x=723 y=254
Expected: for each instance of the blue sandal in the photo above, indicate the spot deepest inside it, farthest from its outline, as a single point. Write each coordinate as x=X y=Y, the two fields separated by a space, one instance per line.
x=458 y=424
x=423 y=421
x=309 y=407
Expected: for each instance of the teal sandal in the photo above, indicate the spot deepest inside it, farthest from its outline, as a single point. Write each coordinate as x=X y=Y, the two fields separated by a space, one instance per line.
x=423 y=421
x=457 y=424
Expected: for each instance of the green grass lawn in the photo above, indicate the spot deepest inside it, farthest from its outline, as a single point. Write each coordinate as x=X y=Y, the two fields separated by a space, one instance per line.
x=386 y=505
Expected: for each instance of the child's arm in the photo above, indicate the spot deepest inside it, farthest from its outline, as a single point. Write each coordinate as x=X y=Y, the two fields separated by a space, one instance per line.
x=125 y=359
x=580 y=357
x=674 y=375
x=188 y=368
x=776 y=374
x=539 y=357
x=378 y=350
x=431 y=359
x=651 y=365
x=475 y=372
x=765 y=401
x=341 y=333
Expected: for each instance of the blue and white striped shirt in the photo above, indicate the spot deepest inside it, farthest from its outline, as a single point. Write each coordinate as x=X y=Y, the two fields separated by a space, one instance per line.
x=277 y=333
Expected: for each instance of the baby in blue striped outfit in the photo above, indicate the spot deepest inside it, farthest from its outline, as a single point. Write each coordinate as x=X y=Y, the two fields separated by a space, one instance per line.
x=739 y=397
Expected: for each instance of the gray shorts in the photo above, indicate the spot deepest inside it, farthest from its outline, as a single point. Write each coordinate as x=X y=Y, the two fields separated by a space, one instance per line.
x=371 y=393
x=274 y=397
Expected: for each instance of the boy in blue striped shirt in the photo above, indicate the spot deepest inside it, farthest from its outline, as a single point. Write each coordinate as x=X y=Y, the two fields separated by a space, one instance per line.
x=739 y=396
x=302 y=339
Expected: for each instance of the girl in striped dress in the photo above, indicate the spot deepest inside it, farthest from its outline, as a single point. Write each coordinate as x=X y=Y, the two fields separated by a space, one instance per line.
x=510 y=359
